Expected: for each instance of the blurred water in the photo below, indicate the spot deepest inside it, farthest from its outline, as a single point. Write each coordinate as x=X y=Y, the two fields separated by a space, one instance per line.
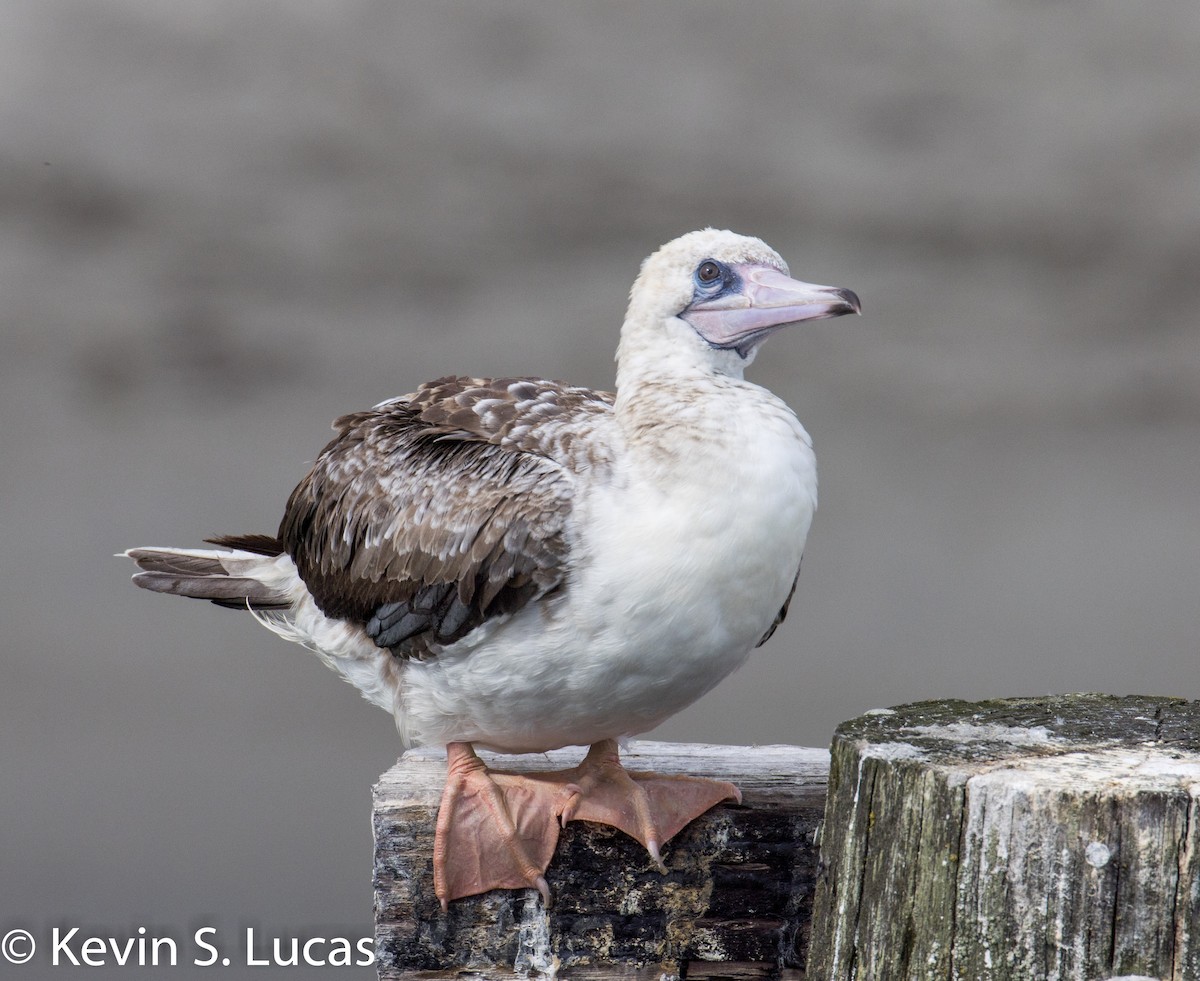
x=224 y=225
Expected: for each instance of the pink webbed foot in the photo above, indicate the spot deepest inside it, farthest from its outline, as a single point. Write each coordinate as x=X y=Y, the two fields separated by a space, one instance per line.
x=494 y=830
x=650 y=807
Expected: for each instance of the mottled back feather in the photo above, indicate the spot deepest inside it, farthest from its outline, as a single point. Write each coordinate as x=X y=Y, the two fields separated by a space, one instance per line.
x=430 y=514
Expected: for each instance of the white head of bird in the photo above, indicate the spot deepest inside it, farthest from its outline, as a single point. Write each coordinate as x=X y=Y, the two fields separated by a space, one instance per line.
x=704 y=302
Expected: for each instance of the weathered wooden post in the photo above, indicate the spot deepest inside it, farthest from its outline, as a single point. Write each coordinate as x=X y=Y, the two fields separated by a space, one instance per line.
x=1035 y=838
x=735 y=903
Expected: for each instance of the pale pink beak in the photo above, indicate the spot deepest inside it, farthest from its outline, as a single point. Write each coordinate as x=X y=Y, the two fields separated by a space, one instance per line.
x=766 y=301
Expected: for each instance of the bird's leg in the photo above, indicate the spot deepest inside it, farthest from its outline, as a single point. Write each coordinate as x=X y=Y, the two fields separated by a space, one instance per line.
x=651 y=807
x=494 y=830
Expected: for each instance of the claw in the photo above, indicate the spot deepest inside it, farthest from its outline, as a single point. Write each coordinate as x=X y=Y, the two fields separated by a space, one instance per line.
x=542 y=886
x=567 y=812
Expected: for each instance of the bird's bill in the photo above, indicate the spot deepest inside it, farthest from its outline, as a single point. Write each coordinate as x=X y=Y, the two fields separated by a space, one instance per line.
x=766 y=301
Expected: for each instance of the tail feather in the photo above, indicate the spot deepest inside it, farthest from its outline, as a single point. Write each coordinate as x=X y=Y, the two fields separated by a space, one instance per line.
x=258 y=544
x=178 y=561
x=225 y=578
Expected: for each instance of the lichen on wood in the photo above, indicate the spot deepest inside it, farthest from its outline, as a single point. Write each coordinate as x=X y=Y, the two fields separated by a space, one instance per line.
x=735 y=902
x=1036 y=838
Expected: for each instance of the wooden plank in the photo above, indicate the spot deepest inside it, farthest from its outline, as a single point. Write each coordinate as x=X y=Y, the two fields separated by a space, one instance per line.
x=735 y=903
x=1050 y=838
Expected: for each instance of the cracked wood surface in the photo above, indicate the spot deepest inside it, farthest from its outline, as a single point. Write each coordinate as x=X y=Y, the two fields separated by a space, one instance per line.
x=1032 y=838
x=736 y=901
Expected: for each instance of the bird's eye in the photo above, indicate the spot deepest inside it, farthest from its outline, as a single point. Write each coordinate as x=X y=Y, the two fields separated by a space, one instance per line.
x=708 y=272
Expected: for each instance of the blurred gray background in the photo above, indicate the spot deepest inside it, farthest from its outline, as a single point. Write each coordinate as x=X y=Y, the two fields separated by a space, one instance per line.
x=221 y=225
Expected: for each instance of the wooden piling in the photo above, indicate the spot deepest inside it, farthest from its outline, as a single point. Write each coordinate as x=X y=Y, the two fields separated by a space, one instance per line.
x=1032 y=838
x=735 y=902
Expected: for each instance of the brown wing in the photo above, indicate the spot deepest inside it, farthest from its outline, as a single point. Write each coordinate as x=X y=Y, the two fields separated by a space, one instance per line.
x=427 y=516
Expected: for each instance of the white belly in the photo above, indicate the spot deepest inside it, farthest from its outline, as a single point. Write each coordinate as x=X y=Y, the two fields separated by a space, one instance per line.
x=676 y=582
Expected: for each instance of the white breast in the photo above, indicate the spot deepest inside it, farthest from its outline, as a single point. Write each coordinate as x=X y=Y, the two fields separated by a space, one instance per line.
x=682 y=561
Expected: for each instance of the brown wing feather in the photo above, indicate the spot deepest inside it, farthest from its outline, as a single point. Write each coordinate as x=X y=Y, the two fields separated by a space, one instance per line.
x=428 y=515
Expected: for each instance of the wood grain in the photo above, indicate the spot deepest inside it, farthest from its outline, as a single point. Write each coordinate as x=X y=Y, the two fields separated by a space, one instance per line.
x=1048 y=838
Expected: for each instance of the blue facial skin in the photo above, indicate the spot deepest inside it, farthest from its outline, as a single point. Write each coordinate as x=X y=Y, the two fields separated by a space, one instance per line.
x=727 y=282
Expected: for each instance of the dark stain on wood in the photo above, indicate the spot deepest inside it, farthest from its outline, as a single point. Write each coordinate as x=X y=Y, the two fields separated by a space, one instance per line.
x=736 y=901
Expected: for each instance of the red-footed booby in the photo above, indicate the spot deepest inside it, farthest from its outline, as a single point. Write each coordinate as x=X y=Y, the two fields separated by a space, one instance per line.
x=521 y=565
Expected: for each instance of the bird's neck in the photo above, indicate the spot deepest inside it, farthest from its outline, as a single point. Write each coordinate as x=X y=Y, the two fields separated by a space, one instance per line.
x=666 y=350
x=680 y=404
